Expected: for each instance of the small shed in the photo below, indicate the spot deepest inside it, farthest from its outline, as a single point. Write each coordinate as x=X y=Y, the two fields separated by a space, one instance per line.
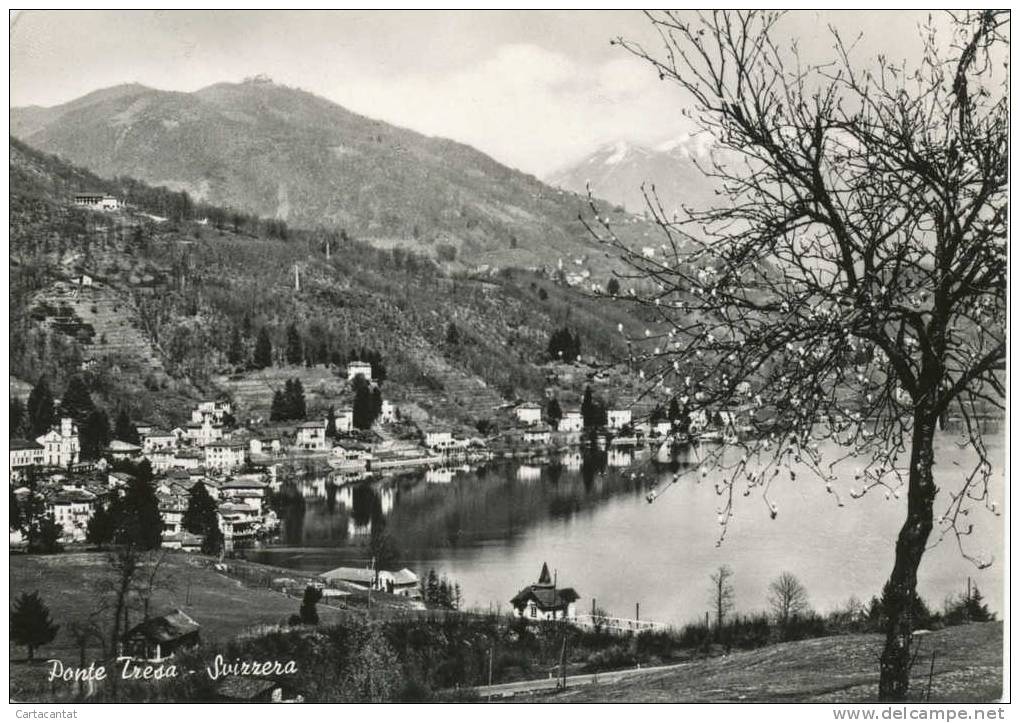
x=157 y=639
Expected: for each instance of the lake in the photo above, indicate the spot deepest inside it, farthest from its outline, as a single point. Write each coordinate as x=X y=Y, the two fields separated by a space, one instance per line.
x=490 y=528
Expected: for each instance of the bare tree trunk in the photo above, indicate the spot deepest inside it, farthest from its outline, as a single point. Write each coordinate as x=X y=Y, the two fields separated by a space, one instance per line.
x=894 y=678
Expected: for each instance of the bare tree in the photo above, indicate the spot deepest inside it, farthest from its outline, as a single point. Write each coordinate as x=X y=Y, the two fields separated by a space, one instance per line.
x=788 y=598
x=85 y=631
x=117 y=589
x=722 y=596
x=151 y=579
x=851 y=290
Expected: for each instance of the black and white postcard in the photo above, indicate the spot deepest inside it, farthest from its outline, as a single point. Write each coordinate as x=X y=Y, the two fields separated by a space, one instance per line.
x=509 y=357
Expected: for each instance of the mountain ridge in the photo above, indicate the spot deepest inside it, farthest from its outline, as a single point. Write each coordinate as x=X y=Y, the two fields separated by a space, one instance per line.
x=278 y=151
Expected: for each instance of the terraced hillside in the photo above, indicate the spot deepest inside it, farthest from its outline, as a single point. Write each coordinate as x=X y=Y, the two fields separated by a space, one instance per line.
x=103 y=320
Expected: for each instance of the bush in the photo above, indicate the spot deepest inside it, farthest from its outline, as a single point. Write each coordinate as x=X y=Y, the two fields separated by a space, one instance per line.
x=615 y=656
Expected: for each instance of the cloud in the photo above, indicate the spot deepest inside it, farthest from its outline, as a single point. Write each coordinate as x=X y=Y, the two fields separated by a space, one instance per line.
x=534 y=108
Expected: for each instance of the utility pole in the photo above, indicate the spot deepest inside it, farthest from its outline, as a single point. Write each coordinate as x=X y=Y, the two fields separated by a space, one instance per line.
x=637 y=612
x=491 y=649
x=563 y=663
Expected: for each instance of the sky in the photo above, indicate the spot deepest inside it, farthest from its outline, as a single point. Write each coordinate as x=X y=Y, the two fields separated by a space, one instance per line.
x=536 y=90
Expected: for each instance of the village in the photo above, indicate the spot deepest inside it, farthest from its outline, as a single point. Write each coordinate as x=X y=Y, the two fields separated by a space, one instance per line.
x=241 y=465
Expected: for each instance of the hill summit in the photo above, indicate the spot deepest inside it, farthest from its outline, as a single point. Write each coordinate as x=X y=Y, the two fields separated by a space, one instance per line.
x=278 y=151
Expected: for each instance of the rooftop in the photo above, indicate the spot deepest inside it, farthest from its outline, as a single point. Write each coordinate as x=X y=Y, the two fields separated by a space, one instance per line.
x=118 y=445
x=24 y=444
x=350 y=574
x=165 y=628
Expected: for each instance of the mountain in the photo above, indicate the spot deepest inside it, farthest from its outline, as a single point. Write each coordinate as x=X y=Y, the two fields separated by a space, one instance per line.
x=281 y=152
x=616 y=172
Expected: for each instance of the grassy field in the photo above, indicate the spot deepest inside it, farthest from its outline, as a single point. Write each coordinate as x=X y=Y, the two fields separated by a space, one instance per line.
x=70 y=585
x=840 y=669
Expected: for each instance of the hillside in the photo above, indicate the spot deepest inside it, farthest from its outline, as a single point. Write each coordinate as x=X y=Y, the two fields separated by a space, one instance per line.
x=155 y=329
x=281 y=152
x=838 y=669
x=617 y=171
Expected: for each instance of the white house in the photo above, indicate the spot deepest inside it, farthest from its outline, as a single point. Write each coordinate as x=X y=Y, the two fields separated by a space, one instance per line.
x=204 y=431
x=544 y=600
x=359 y=367
x=311 y=436
x=24 y=453
x=224 y=455
x=72 y=510
x=215 y=410
x=98 y=201
x=344 y=420
x=171 y=509
x=161 y=459
x=157 y=439
x=528 y=413
x=246 y=489
x=571 y=421
x=618 y=418
x=387 y=413
x=60 y=444
x=439 y=439
x=188 y=459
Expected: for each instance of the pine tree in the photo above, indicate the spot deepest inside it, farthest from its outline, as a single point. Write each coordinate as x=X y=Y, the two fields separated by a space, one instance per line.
x=295 y=354
x=201 y=519
x=235 y=352
x=124 y=430
x=674 y=411
x=307 y=612
x=44 y=536
x=613 y=287
x=17 y=418
x=278 y=411
x=331 y=424
x=975 y=607
x=14 y=511
x=31 y=625
x=363 y=416
x=432 y=588
x=452 y=334
x=77 y=400
x=94 y=434
x=136 y=515
x=298 y=409
x=100 y=527
x=263 y=350
x=377 y=401
x=41 y=412
x=553 y=412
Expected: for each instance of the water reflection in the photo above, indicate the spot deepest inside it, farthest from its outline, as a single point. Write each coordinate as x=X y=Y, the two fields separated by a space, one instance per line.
x=585 y=513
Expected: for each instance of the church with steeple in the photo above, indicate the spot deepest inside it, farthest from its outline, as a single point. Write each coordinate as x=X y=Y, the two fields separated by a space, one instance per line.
x=545 y=600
